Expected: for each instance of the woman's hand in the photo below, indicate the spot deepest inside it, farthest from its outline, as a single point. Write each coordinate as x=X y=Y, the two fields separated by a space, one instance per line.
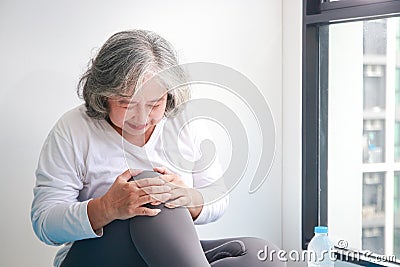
x=125 y=199
x=181 y=194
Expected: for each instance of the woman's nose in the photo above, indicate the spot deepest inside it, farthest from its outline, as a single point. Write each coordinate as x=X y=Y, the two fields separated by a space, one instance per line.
x=139 y=115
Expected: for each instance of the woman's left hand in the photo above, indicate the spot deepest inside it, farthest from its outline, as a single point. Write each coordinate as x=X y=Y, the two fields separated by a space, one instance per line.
x=181 y=194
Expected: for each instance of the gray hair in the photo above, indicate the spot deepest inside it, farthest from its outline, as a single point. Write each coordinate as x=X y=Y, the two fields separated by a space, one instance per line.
x=121 y=62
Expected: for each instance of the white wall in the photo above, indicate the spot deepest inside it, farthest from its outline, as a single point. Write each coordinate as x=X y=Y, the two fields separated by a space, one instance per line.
x=45 y=46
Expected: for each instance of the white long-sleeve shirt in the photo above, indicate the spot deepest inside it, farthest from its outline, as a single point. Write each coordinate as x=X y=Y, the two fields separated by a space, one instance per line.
x=81 y=159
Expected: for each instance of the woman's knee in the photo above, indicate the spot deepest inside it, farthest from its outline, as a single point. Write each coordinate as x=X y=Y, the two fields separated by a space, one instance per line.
x=167 y=216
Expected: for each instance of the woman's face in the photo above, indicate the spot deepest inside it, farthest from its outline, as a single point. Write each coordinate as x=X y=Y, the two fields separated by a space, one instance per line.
x=139 y=114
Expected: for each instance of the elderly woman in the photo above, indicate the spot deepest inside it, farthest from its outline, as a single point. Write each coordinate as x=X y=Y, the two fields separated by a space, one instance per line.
x=91 y=193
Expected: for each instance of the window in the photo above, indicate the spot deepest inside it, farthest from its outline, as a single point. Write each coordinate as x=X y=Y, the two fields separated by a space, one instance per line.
x=351 y=122
x=361 y=132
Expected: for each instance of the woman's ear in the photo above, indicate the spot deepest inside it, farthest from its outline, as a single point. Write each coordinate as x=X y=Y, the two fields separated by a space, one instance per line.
x=105 y=103
x=170 y=103
x=170 y=99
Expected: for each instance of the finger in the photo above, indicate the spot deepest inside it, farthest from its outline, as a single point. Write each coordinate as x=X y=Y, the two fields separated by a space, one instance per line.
x=156 y=203
x=153 y=198
x=128 y=174
x=173 y=179
x=167 y=177
x=143 y=211
x=179 y=202
x=145 y=182
x=162 y=170
x=177 y=192
x=154 y=189
x=135 y=172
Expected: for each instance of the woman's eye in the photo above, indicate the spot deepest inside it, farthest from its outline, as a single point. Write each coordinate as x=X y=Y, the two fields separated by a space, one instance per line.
x=126 y=105
x=153 y=106
x=122 y=104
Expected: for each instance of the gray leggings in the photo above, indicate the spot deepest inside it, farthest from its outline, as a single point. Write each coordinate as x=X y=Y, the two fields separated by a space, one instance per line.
x=168 y=239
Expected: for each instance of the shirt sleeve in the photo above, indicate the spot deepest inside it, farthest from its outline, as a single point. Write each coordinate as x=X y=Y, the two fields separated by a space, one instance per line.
x=56 y=214
x=208 y=178
x=216 y=200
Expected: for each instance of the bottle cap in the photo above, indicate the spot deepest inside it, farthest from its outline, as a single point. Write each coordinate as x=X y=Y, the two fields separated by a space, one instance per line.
x=320 y=229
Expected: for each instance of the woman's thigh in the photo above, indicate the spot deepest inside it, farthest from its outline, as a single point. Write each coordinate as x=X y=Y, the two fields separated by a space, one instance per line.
x=114 y=248
x=168 y=239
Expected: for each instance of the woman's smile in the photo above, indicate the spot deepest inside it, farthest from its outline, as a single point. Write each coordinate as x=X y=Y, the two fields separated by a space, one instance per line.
x=137 y=126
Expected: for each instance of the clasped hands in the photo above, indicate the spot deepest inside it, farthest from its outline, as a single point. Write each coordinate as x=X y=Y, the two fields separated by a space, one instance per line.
x=127 y=199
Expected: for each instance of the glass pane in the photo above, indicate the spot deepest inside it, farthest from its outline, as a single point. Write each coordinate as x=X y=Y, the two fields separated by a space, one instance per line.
x=396 y=207
x=375 y=41
x=373 y=212
x=396 y=182
x=374 y=87
x=364 y=134
x=373 y=141
x=397 y=95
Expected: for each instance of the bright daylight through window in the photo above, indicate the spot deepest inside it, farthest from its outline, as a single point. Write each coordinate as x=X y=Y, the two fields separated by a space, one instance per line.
x=364 y=134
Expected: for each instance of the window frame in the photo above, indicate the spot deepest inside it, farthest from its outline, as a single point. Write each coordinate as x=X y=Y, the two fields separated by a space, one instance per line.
x=317 y=13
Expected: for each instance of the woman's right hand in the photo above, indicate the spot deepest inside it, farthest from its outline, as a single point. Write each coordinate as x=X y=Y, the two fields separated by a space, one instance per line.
x=125 y=199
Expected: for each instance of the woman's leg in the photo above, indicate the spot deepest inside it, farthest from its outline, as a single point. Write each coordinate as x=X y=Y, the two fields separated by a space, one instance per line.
x=168 y=239
x=215 y=250
x=114 y=248
x=241 y=251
